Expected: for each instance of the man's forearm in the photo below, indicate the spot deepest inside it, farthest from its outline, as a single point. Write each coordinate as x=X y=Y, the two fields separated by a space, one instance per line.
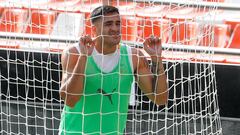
x=159 y=84
x=72 y=88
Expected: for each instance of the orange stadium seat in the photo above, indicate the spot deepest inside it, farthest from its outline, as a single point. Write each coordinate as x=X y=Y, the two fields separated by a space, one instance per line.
x=183 y=26
x=220 y=34
x=41 y=22
x=184 y=33
x=235 y=40
x=232 y=22
x=129 y=28
x=156 y=27
x=206 y=32
x=152 y=22
x=13 y=20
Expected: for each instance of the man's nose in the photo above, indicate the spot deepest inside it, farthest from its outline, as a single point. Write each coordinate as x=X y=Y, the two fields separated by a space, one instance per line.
x=115 y=27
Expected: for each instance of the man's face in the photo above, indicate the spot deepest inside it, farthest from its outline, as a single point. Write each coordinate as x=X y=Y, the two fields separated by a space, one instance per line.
x=109 y=29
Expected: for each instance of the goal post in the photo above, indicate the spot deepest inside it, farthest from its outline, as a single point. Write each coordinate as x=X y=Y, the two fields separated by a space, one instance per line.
x=33 y=36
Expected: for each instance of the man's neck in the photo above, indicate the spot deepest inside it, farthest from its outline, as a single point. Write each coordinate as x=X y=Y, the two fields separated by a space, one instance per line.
x=105 y=49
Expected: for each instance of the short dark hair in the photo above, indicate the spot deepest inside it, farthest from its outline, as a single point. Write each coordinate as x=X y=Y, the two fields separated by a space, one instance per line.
x=98 y=12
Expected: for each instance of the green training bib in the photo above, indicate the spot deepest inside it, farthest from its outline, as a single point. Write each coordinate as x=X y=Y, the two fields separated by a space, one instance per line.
x=103 y=107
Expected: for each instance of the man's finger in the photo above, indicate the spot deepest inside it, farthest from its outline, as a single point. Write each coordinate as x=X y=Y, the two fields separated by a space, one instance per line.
x=146 y=42
x=94 y=39
x=146 y=46
x=152 y=39
x=82 y=41
x=88 y=41
x=158 y=41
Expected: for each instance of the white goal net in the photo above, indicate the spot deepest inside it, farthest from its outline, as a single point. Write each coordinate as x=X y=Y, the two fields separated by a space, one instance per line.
x=33 y=35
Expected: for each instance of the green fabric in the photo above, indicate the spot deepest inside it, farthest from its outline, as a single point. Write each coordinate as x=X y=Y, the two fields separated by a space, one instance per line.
x=103 y=107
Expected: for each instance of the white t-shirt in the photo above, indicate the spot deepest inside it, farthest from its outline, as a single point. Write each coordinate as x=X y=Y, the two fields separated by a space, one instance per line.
x=108 y=62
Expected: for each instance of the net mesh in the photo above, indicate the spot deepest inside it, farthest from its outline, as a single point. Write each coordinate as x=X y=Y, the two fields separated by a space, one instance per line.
x=34 y=34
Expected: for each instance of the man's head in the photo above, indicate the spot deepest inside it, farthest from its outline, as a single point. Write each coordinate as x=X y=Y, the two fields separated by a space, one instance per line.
x=107 y=24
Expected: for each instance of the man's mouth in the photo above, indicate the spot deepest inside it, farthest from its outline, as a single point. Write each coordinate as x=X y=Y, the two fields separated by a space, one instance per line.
x=116 y=35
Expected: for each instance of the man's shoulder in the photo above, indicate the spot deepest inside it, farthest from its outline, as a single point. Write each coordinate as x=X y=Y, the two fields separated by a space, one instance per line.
x=70 y=56
x=72 y=49
x=70 y=53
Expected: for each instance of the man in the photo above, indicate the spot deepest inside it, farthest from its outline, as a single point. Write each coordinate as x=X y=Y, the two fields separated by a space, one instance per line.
x=97 y=77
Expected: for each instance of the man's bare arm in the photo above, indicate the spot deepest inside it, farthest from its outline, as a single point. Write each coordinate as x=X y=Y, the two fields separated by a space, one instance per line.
x=74 y=64
x=152 y=80
x=159 y=82
x=72 y=85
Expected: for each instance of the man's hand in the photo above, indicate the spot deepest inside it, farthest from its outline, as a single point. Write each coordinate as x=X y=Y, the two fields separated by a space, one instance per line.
x=153 y=46
x=86 y=45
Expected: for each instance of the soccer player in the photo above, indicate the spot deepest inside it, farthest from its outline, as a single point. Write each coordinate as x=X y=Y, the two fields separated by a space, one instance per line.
x=98 y=74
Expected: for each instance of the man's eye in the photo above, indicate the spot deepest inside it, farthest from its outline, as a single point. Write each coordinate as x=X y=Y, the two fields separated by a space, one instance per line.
x=108 y=24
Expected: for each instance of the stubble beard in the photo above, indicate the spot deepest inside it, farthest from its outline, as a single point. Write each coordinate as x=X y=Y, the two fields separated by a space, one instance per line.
x=111 y=40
